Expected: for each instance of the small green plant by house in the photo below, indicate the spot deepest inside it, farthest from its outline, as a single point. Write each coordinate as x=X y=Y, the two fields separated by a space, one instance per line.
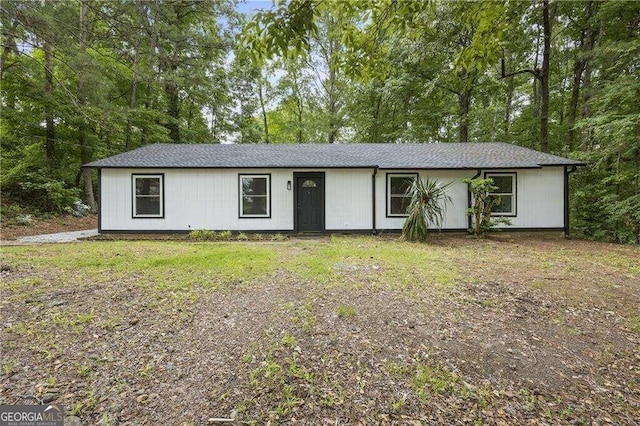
x=225 y=235
x=202 y=235
x=429 y=201
x=482 y=203
x=207 y=235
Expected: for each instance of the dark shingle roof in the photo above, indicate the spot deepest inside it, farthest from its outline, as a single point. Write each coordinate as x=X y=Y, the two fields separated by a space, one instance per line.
x=493 y=155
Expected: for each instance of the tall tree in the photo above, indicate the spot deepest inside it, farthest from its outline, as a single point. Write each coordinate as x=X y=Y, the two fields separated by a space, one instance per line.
x=583 y=21
x=540 y=72
x=82 y=103
x=87 y=78
x=245 y=89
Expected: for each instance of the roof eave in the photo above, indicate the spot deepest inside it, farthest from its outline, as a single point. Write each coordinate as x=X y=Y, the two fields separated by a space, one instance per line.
x=574 y=163
x=92 y=166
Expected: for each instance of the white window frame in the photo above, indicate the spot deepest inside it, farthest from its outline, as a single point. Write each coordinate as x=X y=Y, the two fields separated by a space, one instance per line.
x=513 y=193
x=241 y=213
x=134 y=178
x=389 y=195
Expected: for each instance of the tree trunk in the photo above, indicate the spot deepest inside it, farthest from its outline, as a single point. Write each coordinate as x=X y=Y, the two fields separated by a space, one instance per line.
x=374 y=136
x=263 y=110
x=173 y=110
x=536 y=94
x=464 y=100
x=190 y=114
x=214 y=124
x=563 y=95
x=637 y=162
x=494 y=121
x=85 y=150
x=579 y=67
x=299 y=108
x=544 y=77
x=132 y=99
x=508 y=105
x=144 y=133
x=300 y=111
x=50 y=126
x=586 y=97
x=332 y=98
x=333 y=108
x=152 y=66
x=88 y=190
x=590 y=39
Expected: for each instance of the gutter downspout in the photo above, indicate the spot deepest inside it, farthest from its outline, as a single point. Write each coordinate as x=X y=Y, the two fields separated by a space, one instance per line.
x=99 y=200
x=374 y=231
x=469 y=224
x=567 y=172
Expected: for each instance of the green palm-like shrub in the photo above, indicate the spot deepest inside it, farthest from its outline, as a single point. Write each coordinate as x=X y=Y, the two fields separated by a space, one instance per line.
x=429 y=201
x=482 y=202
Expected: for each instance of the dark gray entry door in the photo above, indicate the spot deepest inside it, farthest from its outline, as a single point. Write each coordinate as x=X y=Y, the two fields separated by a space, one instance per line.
x=309 y=202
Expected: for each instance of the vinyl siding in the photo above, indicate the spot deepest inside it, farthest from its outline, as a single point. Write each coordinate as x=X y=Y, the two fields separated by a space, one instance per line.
x=455 y=218
x=348 y=199
x=209 y=199
x=540 y=198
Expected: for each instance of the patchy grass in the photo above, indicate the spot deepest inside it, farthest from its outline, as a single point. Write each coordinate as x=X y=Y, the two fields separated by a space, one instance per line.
x=363 y=261
x=500 y=330
x=170 y=264
x=345 y=311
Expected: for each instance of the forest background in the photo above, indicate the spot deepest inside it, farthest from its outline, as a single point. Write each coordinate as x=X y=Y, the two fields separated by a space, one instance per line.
x=85 y=79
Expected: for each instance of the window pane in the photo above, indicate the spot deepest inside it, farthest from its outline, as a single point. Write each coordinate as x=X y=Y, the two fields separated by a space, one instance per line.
x=399 y=185
x=254 y=186
x=309 y=183
x=254 y=205
x=505 y=204
x=504 y=184
x=254 y=195
x=399 y=205
x=147 y=205
x=147 y=186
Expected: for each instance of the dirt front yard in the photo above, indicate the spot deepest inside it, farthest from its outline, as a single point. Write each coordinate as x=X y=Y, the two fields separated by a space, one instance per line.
x=341 y=330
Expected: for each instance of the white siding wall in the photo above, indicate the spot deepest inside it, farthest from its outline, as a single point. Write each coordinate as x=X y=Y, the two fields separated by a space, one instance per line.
x=348 y=199
x=208 y=199
x=540 y=200
x=194 y=199
x=456 y=216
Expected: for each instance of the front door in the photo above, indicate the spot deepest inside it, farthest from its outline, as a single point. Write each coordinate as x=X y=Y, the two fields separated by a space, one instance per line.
x=309 y=202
